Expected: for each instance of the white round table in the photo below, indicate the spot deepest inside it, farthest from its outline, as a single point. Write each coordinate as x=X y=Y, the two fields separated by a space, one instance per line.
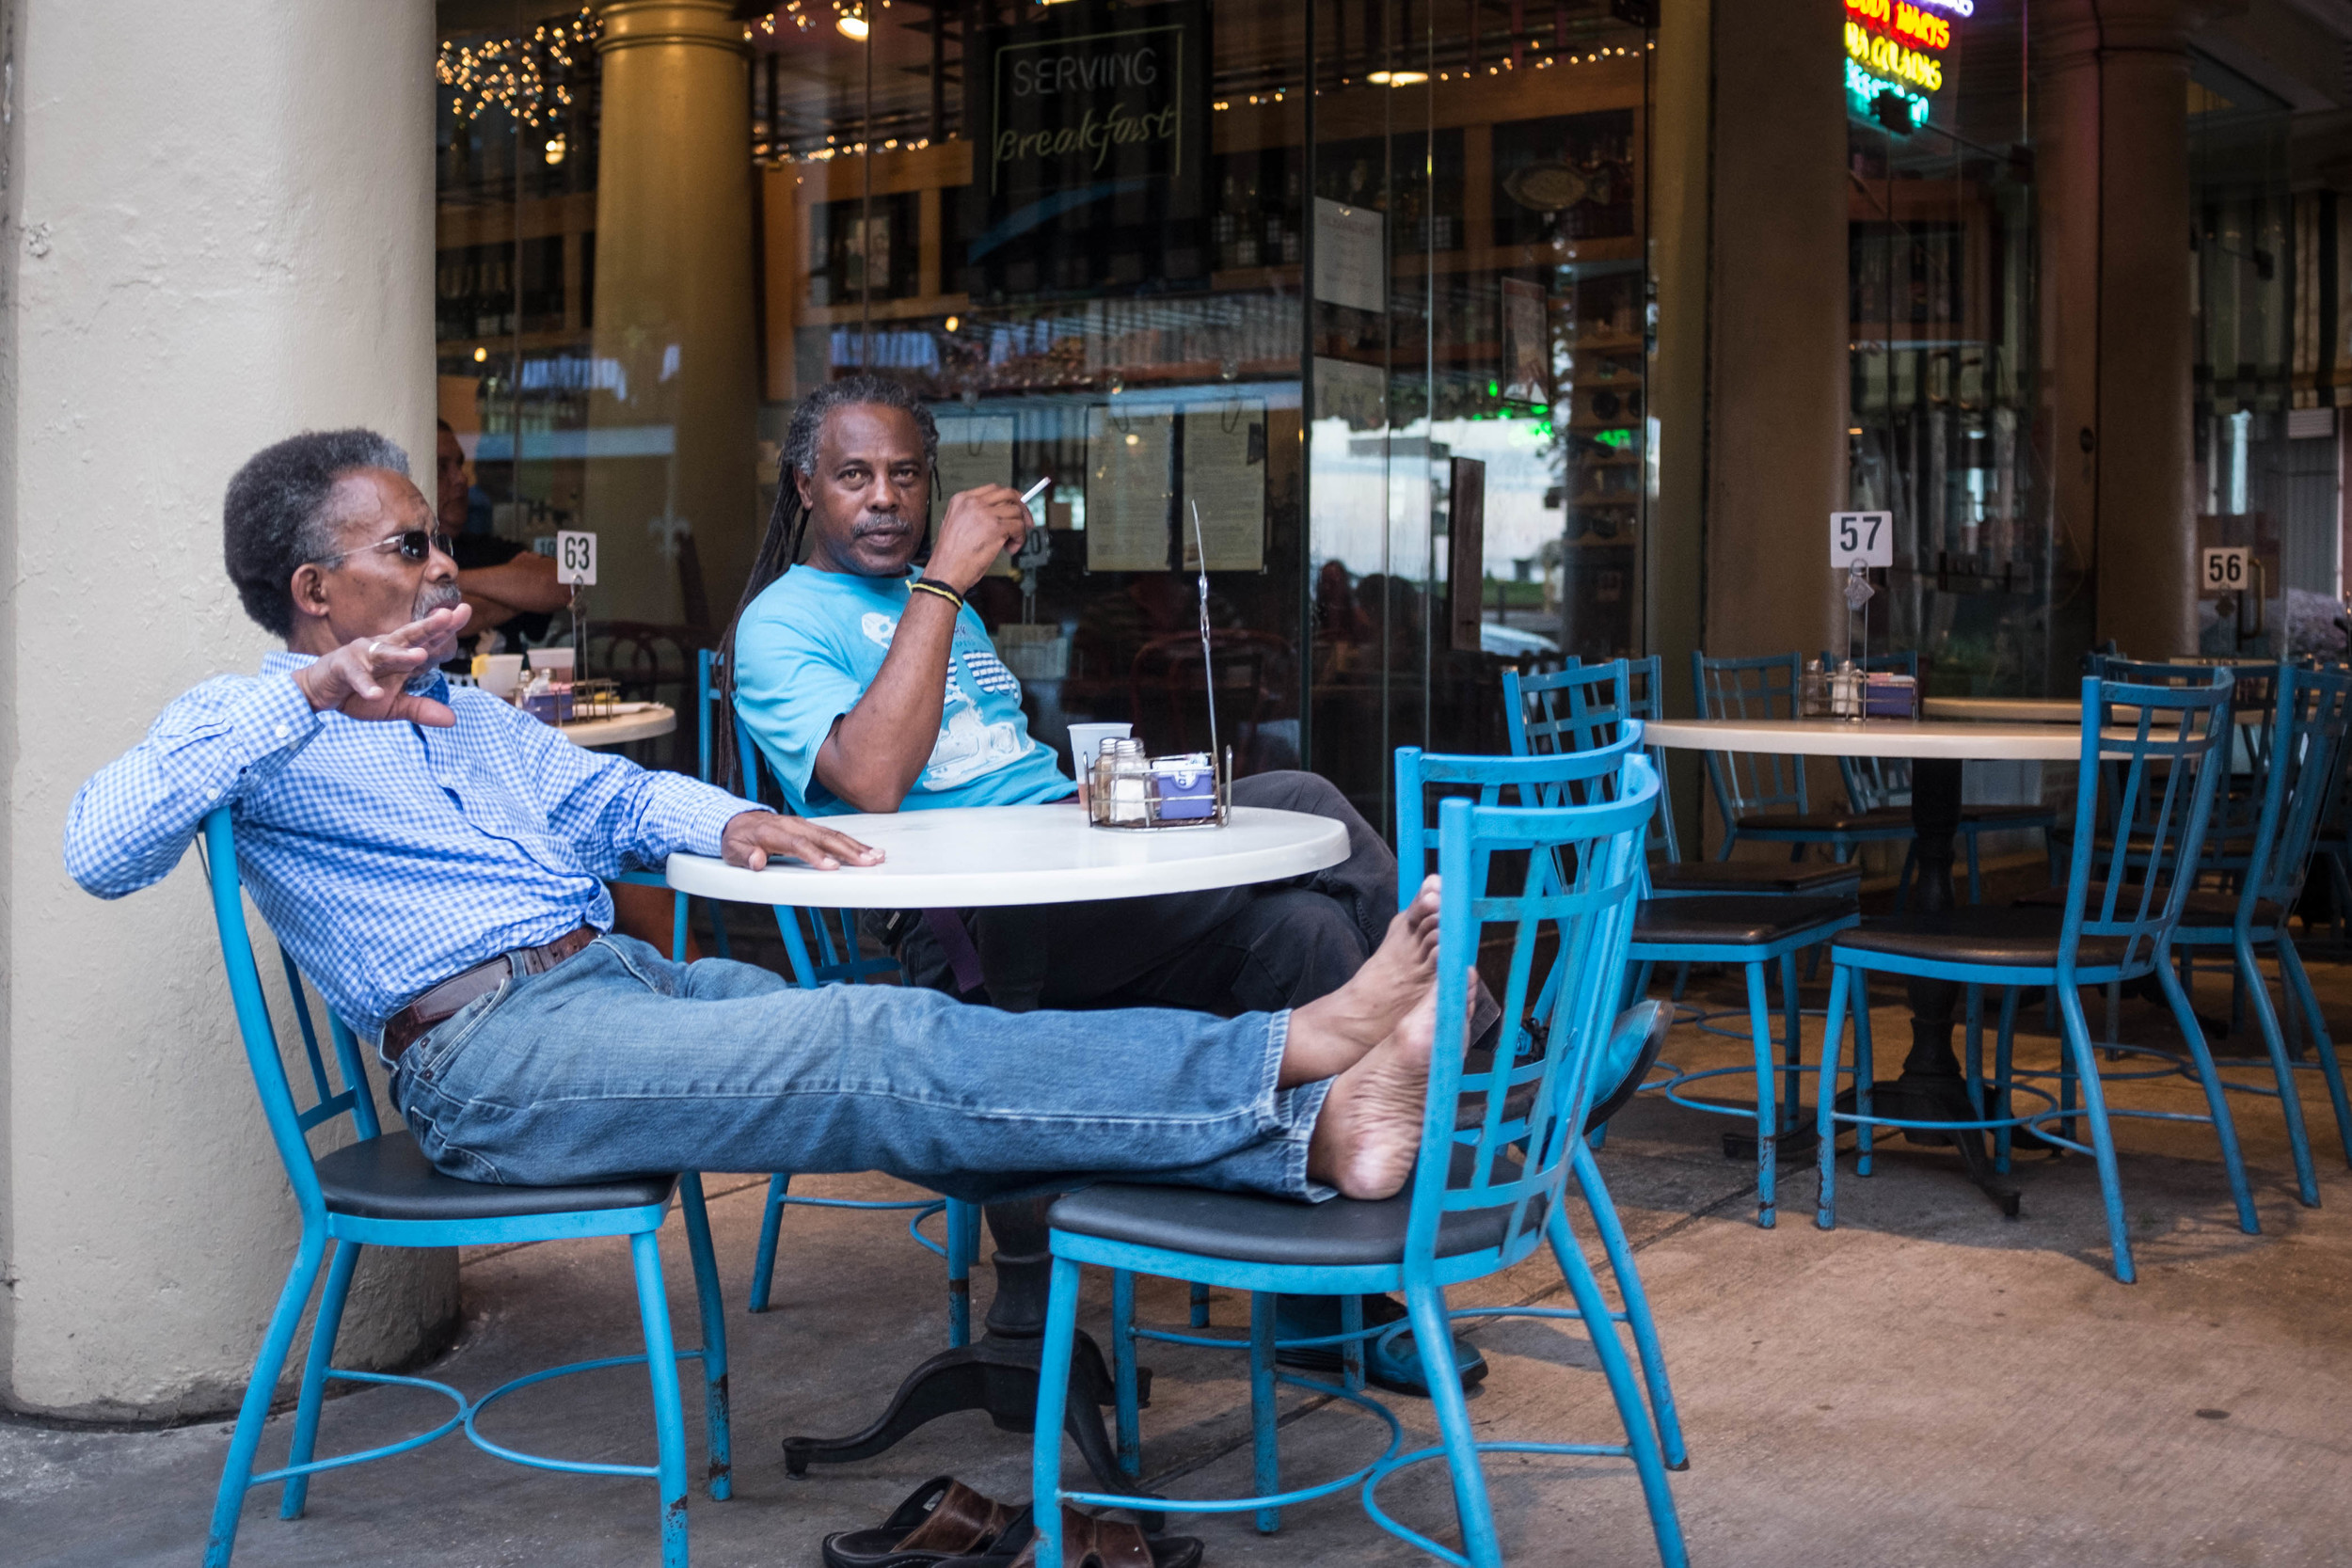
x=656 y=719
x=1924 y=739
x=964 y=857
x=2006 y=710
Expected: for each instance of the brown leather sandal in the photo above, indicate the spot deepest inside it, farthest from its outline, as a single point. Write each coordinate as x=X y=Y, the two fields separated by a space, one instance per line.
x=1088 y=1542
x=941 y=1519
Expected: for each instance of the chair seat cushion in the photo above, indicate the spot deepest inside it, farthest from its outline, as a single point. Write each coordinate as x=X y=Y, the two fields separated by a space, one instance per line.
x=1735 y=922
x=2204 y=906
x=389 y=1178
x=1340 y=1233
x=1879 y=822
x=2025 y=938
x=1765 y=877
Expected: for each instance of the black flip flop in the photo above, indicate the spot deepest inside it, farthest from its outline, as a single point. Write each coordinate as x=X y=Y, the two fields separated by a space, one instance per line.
x=942 y=1520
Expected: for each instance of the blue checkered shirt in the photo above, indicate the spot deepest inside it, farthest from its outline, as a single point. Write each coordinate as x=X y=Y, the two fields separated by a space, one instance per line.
x=386 y=856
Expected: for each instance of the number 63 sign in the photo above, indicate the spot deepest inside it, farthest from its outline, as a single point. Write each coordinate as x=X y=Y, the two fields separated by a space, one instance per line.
x=576 y=559
x=1865 y=536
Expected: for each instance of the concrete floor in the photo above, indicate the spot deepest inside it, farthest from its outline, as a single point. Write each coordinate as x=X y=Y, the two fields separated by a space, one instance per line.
x=1930 y=1384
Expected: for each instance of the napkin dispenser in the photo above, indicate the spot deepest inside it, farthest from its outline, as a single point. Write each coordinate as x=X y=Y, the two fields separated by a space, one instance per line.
x=1888 y=695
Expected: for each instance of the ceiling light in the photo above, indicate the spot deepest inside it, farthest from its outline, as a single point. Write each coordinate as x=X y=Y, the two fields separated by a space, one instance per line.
x=1397 y=78
x=852 y=27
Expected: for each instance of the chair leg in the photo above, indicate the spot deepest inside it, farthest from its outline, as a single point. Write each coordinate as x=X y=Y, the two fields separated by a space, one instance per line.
x=963 y=1249
x=2077 y=1046
x=2283 y=1069
x=1791 y=1045
x=1200 y=1305
x=2291 y=970
x=1825 y=1099
x=2002 y=1046
x=1864 y=1069
x=1129 y=1417
x=1052 y=1404
x=770 y=1223
x=1264 y=1454
x=2218 y=1101
x=1973 y=1067
x=669 y=1420
x=1637 y=1313
x=324 y=1328
x=1433 y=1340
x=677 y=927
x=713 y=1308
x=719 y=930
x=1351 y=1351
x=1647 y=1461
x=236 y=1471
x=1766 y=1118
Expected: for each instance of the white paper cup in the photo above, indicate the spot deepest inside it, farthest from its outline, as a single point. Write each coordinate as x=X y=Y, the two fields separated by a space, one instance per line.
x=1086 y=744
x=501 y=674
x=552 y=658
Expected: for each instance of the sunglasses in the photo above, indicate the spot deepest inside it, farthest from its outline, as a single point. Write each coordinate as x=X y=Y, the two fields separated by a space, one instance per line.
x=416 y=545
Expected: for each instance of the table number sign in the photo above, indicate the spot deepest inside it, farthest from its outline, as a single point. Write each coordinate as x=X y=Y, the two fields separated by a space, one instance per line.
x=576 y=559
x=1865 y=536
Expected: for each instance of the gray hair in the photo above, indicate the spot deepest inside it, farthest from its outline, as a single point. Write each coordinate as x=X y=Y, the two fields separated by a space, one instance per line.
x=808 y=420
x=275 y=516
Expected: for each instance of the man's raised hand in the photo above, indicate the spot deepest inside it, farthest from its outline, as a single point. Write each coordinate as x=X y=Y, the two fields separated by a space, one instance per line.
x=366 y=677
x=752 y=838
x=979 y=523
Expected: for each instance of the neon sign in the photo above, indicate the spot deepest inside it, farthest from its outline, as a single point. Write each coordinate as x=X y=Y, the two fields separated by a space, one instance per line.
x=1892 y=57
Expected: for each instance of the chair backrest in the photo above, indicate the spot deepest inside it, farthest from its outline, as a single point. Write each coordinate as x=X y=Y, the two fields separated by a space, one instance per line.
x=291 y=1119
x=2245 y=763
x=2313 y=715
x=2156 y=774
x=1567 y=778
x=821 y=946
x=1482 y=1196
x=1745 y=782
x=1581 y=706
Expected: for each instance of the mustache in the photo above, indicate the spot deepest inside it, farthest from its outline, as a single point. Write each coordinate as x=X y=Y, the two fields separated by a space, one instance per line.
x=440 y=595
x=879 y=522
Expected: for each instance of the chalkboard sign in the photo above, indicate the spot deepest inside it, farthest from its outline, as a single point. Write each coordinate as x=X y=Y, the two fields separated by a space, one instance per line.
x=1089 y=153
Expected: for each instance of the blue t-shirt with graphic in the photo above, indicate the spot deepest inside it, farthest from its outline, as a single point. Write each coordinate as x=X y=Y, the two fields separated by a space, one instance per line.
x=810 y=645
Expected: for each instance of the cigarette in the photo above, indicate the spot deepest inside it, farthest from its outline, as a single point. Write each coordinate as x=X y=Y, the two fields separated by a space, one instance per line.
x=1035 y=490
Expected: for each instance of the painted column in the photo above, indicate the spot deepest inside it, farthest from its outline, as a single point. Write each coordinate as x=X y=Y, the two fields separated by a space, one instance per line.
x=676 y=454
x=2111 y=162
x=1776 y=392
x=214 y=233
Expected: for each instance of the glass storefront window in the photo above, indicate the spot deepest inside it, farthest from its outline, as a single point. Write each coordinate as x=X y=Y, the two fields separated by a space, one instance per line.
x=1362 y=281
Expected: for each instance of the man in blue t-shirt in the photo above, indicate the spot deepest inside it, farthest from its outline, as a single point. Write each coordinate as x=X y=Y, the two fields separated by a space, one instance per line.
x=872 y=687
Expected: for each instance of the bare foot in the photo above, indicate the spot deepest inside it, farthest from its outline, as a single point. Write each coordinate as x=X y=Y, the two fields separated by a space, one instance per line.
x=1368 y=1135
x=1332 y=1032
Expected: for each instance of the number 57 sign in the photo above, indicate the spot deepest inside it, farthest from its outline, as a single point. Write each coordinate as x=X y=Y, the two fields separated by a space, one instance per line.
x=1865 y=536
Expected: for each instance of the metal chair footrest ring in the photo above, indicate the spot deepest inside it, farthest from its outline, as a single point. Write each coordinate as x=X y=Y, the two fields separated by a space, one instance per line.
x=1389 y=1466
x=1277 y=1499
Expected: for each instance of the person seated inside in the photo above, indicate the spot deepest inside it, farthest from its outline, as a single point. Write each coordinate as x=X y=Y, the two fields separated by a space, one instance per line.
x=435 y=861
x=509 y=587
x=869 y=687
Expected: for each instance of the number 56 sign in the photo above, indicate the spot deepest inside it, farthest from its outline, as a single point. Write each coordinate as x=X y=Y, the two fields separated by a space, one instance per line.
x=1865 y=536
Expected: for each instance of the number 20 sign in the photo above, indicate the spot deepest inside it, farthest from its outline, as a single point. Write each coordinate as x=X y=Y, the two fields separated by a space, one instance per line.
x=1865 y=536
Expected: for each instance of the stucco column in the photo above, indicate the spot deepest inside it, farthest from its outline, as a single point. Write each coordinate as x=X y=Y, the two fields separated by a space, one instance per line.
x=2111 y=162
x=1776 y=395
x=675 y=309
x=214 y=233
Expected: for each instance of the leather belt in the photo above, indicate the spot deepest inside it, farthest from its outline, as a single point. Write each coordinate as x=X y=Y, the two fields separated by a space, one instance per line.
x=437 y=1005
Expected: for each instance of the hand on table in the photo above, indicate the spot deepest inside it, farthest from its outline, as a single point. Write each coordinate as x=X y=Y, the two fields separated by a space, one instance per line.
x=979 y=523
x=752 y=838
x=367 y=678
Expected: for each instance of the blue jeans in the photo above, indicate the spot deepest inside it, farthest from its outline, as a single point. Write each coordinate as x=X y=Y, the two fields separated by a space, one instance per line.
x=619 y=1061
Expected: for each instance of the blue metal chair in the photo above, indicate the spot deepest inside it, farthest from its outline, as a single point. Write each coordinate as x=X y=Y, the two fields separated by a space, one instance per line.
x=380 y=1190
x=825 y=951
x=2156 y=775
x=1483 y=1197
x=2303 y=758
x=1745 y=930
x=1762 y=796
x=1545 y=715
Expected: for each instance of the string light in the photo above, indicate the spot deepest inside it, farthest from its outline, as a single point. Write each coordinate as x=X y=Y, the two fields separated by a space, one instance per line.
x=531 y=78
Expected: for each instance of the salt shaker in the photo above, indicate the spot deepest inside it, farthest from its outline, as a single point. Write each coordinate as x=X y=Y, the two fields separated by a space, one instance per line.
x=1845 y=690
x=1813 y=696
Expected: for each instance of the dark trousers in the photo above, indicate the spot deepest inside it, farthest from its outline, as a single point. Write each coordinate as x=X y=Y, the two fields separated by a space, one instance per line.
x=1232 y=950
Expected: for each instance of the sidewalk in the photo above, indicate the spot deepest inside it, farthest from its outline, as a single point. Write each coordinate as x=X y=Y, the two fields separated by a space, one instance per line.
x=1928 y=1385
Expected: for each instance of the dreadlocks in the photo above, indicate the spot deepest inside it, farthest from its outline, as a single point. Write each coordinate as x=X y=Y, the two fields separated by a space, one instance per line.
x=787 y=526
